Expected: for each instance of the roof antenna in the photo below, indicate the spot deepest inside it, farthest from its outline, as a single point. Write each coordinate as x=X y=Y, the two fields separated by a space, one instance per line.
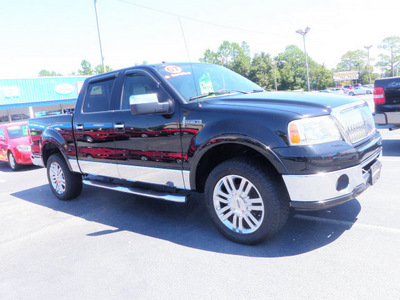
x=187 y=52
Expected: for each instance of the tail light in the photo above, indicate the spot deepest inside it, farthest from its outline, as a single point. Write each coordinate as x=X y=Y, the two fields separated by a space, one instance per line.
x=379 y=95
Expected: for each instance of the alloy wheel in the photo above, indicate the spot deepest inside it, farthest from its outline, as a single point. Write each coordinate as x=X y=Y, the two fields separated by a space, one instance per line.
x=238 y=204
x=57 y=178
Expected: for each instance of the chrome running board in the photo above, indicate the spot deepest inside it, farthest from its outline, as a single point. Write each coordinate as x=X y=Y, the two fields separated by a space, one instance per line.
x=138 y=191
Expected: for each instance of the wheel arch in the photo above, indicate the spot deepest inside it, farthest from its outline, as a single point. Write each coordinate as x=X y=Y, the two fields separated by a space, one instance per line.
x=53 y=142
x=222 y=148
x=50 y=147
x=9 y=150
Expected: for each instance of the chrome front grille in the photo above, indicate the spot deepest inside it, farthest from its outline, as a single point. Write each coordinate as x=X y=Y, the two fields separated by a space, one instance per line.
x=356 y=121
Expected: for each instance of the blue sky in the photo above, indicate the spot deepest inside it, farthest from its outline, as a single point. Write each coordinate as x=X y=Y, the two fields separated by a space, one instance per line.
x=57 y=35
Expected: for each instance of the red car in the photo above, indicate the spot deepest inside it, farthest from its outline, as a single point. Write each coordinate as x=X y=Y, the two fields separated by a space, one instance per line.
x=15 y=145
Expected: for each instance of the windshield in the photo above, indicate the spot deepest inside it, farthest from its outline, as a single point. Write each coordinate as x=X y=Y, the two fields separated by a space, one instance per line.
x=17 y=131
x=193 y=80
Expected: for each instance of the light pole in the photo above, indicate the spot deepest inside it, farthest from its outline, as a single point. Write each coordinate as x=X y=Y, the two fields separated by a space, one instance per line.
x=98 y=32
x=303 y=33
x=369 y=66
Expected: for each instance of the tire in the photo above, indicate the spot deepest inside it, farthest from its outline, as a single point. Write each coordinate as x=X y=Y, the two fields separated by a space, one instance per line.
x=351 y=94
x=64 y=184
x=144 y=158
x=369 y=92
x=229 y=208
x=12 y=162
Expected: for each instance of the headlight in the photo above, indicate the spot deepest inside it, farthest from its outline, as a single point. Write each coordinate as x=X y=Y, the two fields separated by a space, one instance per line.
x=23 y=148
x=311 y=131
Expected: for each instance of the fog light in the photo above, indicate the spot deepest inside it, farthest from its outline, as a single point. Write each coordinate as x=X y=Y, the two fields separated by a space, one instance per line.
x=342 y=182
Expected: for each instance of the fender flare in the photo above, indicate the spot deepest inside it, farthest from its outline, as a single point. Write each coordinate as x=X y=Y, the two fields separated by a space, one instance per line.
x=51 y=137
x=248 y=141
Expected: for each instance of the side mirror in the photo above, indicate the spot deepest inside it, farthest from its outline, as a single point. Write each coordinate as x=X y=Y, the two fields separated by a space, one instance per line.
x=148 y=104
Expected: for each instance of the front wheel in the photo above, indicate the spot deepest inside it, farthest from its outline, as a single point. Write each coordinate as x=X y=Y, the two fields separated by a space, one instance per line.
x=246 y=203
x=64 y=184
x=12 y=162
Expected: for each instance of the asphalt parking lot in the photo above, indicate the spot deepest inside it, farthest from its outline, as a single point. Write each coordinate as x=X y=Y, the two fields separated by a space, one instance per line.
x=110 y=245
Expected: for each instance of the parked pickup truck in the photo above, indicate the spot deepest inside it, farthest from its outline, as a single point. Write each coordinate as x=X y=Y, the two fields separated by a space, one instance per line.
x=387 y=102
x=165 y=130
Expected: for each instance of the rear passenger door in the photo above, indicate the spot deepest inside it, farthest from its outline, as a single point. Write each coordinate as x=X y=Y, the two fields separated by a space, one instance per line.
x=94 y=130
x=148 y=147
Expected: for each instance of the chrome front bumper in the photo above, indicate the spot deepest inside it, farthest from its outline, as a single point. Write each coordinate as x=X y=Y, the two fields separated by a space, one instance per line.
x=320 y=191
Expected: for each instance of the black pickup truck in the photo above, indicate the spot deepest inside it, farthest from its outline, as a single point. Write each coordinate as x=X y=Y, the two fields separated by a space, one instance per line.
x=387 y=102
x=164 y=130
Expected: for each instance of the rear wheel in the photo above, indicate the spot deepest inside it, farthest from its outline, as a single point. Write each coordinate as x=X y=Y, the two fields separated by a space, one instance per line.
x=12 y=162
x=64 y=184
x=246 y=203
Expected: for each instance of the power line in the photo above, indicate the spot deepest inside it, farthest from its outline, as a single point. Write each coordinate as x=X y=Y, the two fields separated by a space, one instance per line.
x=189 y=18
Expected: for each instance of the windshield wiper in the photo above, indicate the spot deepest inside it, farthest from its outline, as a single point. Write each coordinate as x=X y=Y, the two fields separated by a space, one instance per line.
x=217 y=93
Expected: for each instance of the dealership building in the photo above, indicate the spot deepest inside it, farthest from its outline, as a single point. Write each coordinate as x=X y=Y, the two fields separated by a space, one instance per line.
x=21 y=99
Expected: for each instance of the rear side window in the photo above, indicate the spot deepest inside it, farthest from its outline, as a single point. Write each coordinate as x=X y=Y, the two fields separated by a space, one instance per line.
x=17 y=131
x=98 y=96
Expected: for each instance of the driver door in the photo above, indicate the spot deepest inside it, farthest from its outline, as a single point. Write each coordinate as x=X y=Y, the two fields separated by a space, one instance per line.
x=148 y=146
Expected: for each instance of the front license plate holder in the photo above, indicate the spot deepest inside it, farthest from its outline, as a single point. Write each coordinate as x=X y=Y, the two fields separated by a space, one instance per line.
x=375 y=172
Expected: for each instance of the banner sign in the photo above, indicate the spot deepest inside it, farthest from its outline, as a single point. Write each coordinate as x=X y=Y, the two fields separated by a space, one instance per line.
x=347 y=75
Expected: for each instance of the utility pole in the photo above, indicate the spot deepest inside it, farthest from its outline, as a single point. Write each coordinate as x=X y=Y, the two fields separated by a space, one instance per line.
x=303 y=33
x=98 y=32
x=369 y=65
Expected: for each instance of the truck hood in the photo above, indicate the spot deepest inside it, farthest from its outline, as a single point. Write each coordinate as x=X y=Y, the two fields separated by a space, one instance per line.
x=298 y=103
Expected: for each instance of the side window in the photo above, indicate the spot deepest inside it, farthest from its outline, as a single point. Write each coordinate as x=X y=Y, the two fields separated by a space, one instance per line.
x=139 y=84
x=98 y=97
x=2 y=134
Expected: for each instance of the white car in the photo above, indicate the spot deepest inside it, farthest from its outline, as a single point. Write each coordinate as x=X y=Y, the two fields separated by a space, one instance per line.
x=337 y=91
x=359 y=90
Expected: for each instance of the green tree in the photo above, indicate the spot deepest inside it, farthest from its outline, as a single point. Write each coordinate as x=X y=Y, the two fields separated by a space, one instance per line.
x=232 y=56
x=322 y=78
x=262 y=71
x=384 y=65
x=352 y=61
x=46 y=73
x=355 y=61
x=391 y=44
x=86 y=68
x=99 y=69
x=211 y=57
x=292 y=68
x=144 y=62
